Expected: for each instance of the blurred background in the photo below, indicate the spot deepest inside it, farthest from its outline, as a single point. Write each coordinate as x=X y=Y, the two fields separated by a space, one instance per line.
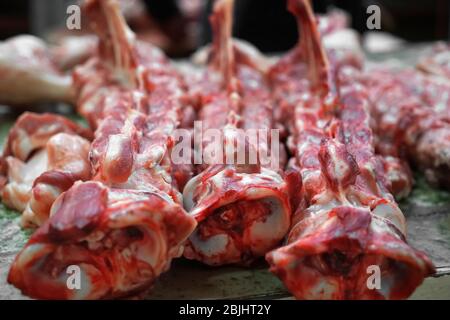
x=181 y=26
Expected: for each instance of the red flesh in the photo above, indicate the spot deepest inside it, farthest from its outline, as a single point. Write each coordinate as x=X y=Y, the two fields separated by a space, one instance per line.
x=43 y=156
x=232 y=94
x=124 y=228
x=346 y=219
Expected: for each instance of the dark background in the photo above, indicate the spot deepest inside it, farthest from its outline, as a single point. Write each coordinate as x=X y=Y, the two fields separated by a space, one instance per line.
x=265 y=23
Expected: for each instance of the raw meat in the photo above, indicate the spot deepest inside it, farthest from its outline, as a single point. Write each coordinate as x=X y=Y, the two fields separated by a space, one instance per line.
x=123 y=229
x=242 y=208
x=44 y=155
x=346 y=223
x=29 y=74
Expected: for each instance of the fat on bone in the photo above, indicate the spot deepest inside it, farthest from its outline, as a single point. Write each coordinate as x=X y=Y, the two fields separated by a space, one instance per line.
x=242 y=209
x=44 y=155
x=346 y=220
x=122 y=231
x=29 y=73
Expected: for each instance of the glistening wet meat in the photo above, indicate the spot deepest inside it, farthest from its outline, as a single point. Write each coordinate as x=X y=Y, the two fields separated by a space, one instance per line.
x=122 y=229
x=233 y=96
x=44 y=155
x=346 y=221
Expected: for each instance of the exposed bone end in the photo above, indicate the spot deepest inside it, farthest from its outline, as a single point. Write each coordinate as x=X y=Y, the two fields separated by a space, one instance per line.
x=121 y=241
x=118 y=160
x=241 y=216
x=16 y=195
x=29 y=74
x=334 y=257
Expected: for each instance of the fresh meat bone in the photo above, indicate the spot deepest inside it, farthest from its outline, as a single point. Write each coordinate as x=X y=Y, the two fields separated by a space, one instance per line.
x=44 y=155
x=29 y=74
x=134 y=98
x=399 y=178
x=130 y=84
x=243 y=50
x=346 y=220
x=344 y=49
x=332 y=26
x=243 y=209
x=33 y=72
x=110 y=234
x=411 y=113
x=72 y=51
x=123 y=229
x=437 y=62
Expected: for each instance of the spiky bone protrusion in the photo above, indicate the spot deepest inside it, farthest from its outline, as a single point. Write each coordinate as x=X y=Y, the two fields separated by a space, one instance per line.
x=346 y=220
x=123 y=229
x=243 y=209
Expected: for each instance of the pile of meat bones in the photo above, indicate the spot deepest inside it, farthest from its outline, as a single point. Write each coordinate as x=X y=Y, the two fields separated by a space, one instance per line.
x=111 y=199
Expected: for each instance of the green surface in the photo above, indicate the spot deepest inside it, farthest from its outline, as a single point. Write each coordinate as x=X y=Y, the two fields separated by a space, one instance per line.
x=424 y=194
x=14 y=237
x=5 y=125
x=192 y=280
